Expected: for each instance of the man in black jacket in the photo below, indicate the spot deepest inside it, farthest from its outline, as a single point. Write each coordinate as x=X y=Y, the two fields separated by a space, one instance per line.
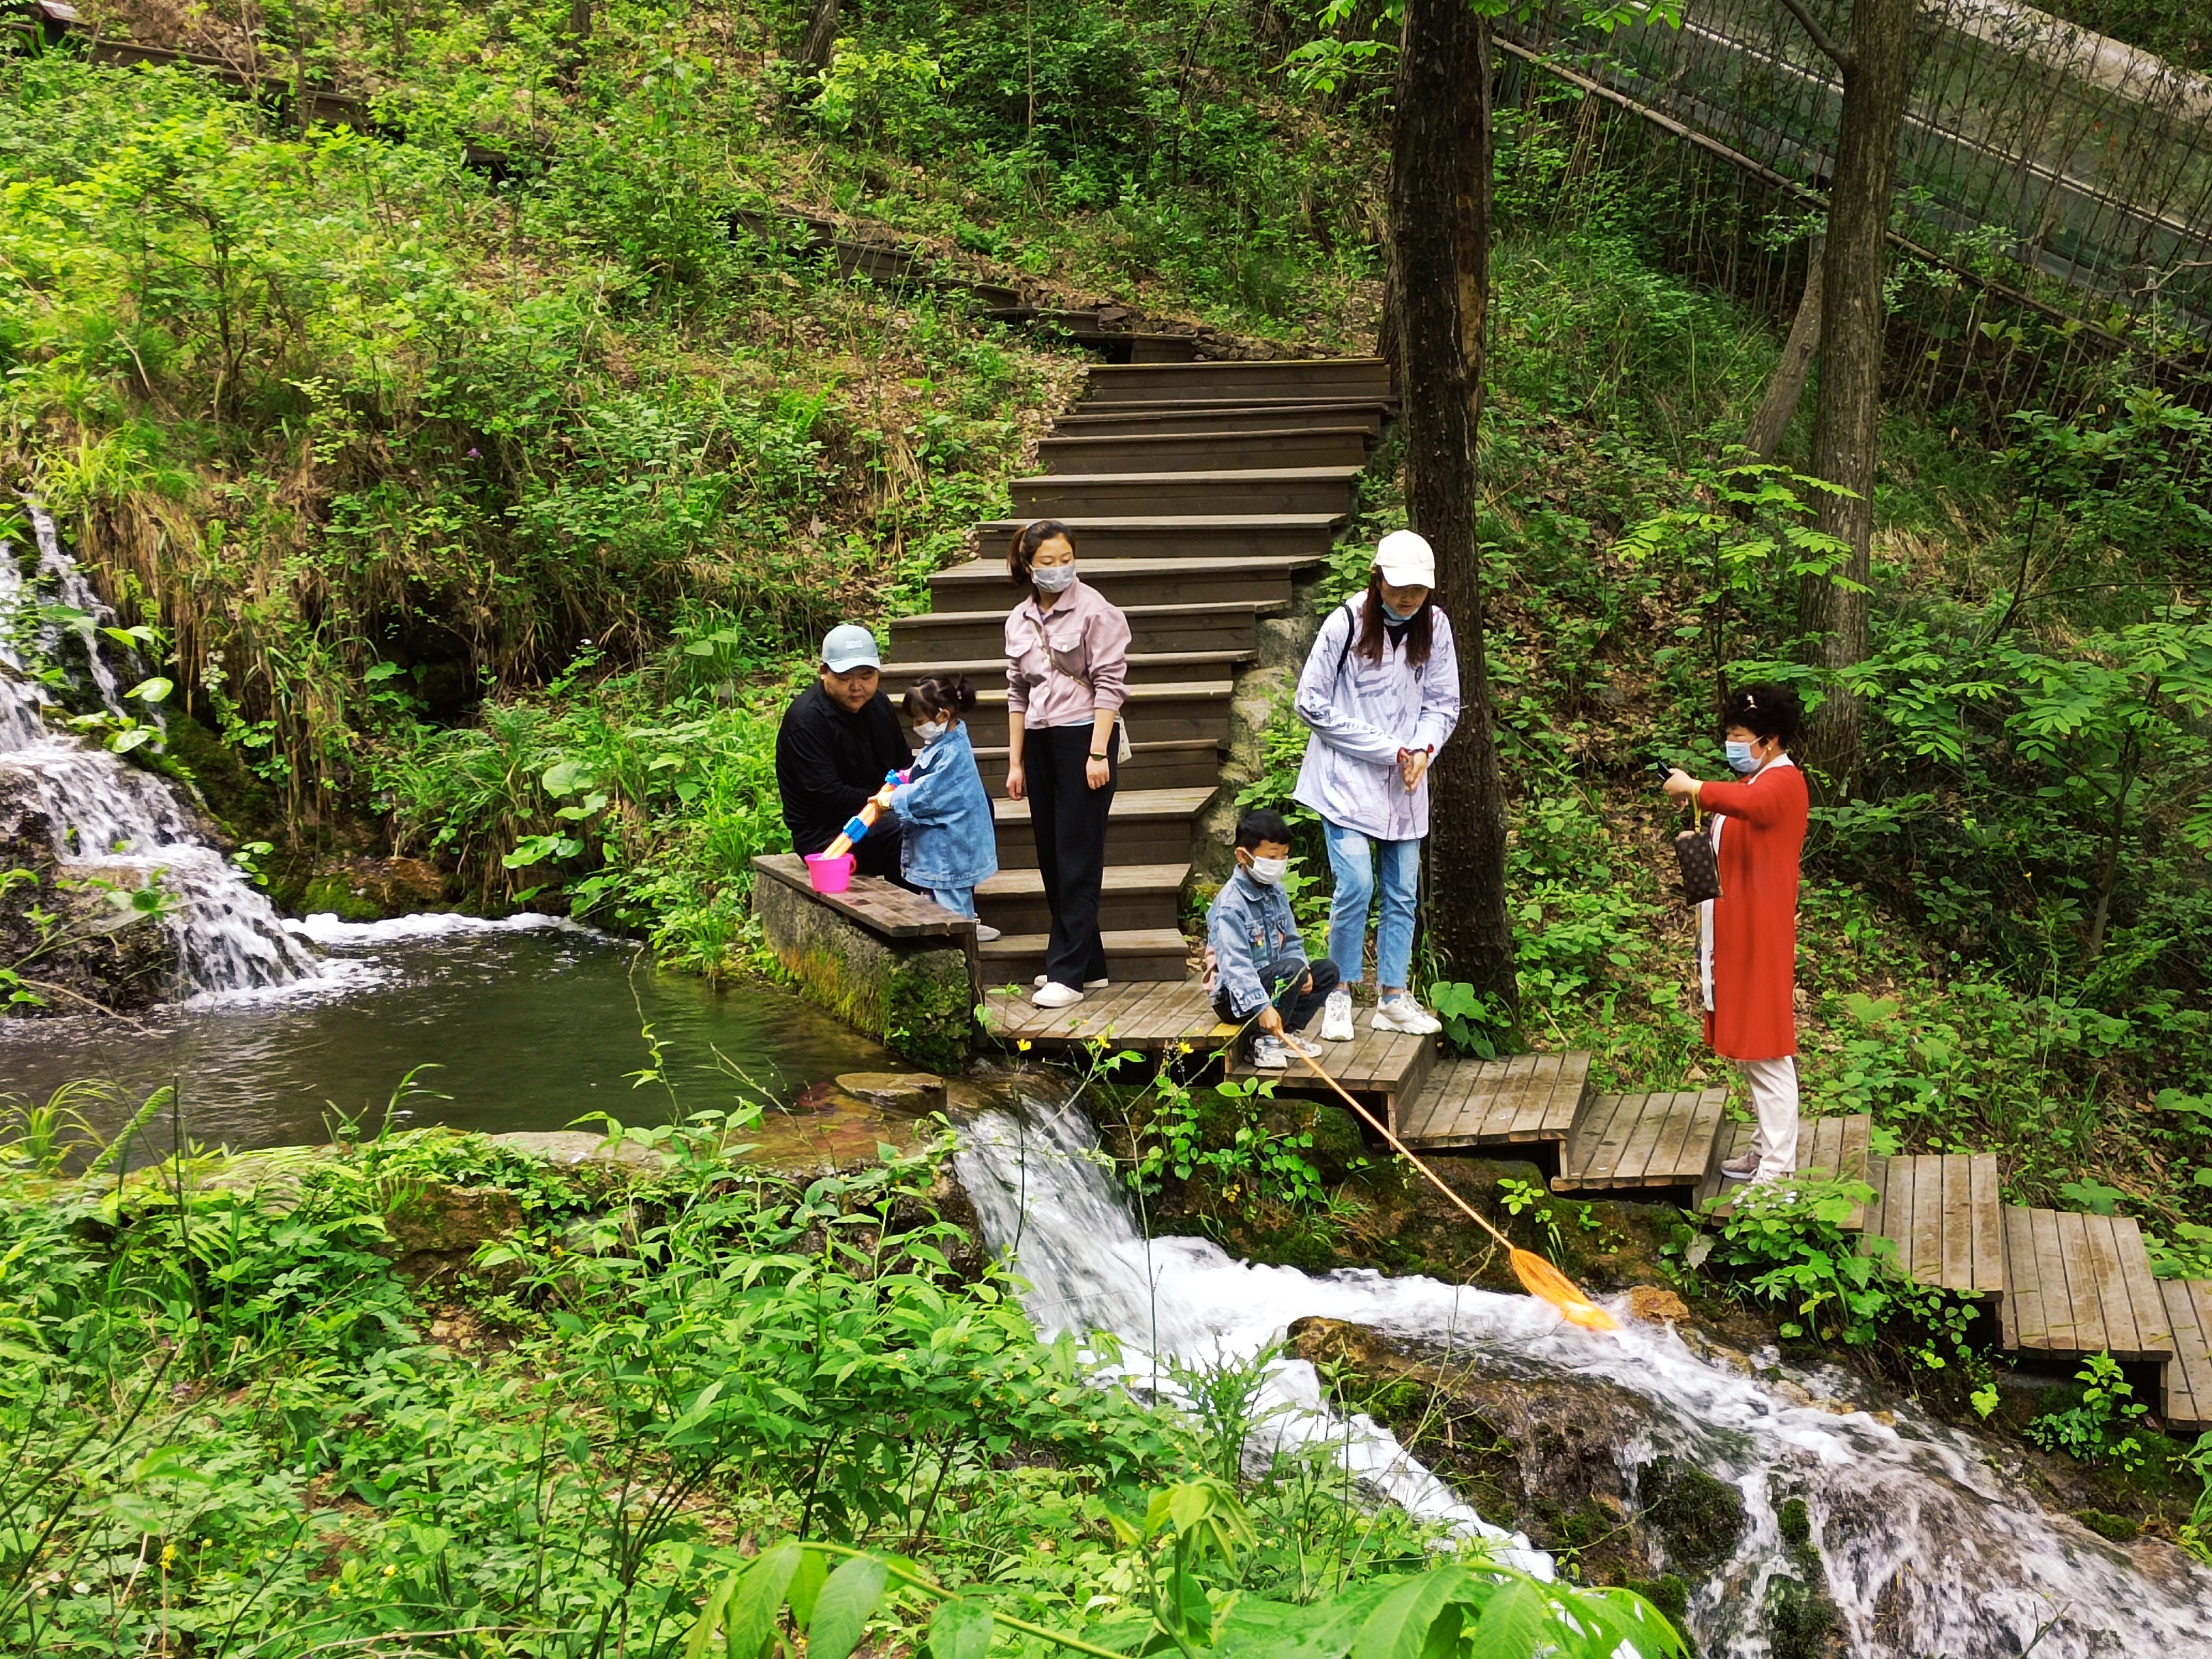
x=837 y=740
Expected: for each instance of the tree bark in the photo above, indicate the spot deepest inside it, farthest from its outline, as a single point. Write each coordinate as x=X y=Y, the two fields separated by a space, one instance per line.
x=1787 y=389
x=1847 y=418
x=818 y=48
x=1440 y=236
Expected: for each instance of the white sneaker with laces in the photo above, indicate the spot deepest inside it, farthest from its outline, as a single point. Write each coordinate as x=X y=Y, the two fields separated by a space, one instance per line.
x=1336 y=1016
x=1269 y=1054
x=1402 y=1013
x=1051 y=995
x=985 y=932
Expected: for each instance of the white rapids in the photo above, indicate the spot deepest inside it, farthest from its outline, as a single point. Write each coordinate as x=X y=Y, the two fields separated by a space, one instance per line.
x=1929 y=1550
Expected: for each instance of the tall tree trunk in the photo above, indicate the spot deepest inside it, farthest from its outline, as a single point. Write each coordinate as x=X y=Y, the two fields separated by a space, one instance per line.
x=1847 y=418
x=818 y=46
x=1787 y=389
x=1440 y=234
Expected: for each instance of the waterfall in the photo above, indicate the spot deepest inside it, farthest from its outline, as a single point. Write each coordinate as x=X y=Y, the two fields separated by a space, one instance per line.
x=111 y=818
x=1928 y=1548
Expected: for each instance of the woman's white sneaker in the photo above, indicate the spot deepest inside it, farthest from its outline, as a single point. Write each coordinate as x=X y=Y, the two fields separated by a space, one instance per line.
x=1051 y=995
x=985 y=932
x=1402 y=1013
x=1088 y=984
x=1336 y=1016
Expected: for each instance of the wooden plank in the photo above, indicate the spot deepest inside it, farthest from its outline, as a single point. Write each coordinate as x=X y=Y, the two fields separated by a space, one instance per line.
x=1857 y=1146
x=2188 y=1375
x=1666 y=1162
x=2062 y=1324
x=1986 y=1220
x=1602 y=1139
x=1573 y=1085
x=1455 y=1117
x=2084 y=1259
x=2021 y=1315
x=2153 y=1332
x=2122 y=1335
x=1536 y=1095
x=1505 y=1105
x=1707 y=1120
x=1644 y=1138
x=1957 y=1270
x=1928 y=1220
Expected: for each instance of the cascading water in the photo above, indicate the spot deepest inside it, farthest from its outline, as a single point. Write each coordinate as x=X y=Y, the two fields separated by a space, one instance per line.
x=113 y=819
x=1929 y=1550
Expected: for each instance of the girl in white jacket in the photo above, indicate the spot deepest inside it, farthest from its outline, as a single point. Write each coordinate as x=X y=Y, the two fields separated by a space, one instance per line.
x=1380 y=690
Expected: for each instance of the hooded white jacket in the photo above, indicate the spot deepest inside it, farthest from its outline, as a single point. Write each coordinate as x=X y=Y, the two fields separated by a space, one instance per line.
x=1361 y=714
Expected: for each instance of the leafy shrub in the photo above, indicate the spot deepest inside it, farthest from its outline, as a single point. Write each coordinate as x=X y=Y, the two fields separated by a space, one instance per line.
x=2102 y=1428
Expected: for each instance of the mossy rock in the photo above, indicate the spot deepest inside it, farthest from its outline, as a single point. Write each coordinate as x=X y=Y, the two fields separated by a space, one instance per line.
x=1802 y=1621
x=1699 y=1518
x=2120 y=1528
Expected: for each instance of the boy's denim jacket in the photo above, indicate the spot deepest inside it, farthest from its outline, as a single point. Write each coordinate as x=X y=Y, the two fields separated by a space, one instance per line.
x=1250 y=925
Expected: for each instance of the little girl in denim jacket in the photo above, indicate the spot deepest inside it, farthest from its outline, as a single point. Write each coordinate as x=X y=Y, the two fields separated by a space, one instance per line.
x=949 y=842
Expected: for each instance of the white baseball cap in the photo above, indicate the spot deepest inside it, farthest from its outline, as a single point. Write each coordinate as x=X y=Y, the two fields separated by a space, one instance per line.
x=849 y=646
x=1405 y=560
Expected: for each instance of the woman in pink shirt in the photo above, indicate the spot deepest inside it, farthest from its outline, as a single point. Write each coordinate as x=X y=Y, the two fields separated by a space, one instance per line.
x=1067 y=661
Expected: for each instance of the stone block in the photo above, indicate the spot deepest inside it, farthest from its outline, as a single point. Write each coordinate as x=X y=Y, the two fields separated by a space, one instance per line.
x=914 y=995
x=911 y=1092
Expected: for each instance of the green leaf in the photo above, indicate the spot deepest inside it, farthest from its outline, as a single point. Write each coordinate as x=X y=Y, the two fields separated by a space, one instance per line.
x=847 y=1601
x=379 y=670
x=750 y=1625
x=961 y=1630
x=806 y=1584
x=155 y=690
x=1400 y=1628
x=566 y=777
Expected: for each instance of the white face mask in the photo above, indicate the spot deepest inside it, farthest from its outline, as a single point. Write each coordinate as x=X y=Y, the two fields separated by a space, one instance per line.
x=1739 y=755
x=1267 y=872
x=933 y=731
x=1053 y=578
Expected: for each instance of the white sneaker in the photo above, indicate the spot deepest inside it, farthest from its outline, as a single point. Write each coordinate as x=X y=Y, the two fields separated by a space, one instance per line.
x=1336 y=1016
x=985 y=932
x=1270 y=1054
x=1088 y=984
x=1402 y=1013
x=1055 y=996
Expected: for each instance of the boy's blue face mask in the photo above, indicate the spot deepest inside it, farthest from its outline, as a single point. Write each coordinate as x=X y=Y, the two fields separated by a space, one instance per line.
x=1739 y=755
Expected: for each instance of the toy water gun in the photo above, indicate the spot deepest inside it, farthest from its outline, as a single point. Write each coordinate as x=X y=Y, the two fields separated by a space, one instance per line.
x=874 y=807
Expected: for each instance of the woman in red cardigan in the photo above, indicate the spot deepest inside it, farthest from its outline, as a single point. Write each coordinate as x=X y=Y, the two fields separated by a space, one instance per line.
x=1747 y=937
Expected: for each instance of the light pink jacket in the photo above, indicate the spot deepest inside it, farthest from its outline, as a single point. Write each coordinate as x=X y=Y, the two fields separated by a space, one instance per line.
x=1087 y=633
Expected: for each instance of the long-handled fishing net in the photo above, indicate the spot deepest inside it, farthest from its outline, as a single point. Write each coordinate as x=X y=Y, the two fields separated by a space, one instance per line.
x=1540 y=1277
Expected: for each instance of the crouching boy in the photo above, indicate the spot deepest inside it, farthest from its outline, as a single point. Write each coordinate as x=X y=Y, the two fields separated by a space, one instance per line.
x=1259 y=960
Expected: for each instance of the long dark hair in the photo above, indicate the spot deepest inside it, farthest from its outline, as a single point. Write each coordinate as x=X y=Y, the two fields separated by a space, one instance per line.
x=939 y=695
x=1420 y=633
x=1029 y=537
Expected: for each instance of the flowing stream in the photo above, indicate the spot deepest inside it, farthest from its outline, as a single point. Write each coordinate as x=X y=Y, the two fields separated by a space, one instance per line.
x=115 y=821
x=1929 y=1549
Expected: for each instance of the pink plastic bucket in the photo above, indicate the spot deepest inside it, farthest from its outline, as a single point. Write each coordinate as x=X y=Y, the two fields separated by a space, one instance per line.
x=829 y=875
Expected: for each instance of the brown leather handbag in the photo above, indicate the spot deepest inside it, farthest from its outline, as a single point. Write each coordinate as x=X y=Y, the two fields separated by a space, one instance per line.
x=1700 y=865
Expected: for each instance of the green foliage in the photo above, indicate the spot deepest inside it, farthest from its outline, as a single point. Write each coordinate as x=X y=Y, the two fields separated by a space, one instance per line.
x=1188 y=1548
x=2102 y=1428
x=1223 y=1136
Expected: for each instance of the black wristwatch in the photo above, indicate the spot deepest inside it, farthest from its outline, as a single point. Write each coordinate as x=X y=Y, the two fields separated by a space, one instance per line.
x=1095 y=755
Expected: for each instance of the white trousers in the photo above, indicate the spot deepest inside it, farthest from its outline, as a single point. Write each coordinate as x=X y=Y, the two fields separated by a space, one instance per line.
x=1774 y=1098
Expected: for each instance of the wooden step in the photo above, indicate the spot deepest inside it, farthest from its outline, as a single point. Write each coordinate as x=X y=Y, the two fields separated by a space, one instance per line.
x=1175 y=535
x=1171 y=711
x=1152 y=1018
x=1145 y=668
x=1499 y=1103
x=1144 y=955
x=1655 y=1140
x=978 y=585
x=1387 y=1067
x=1141 y=897
x=1837 y=1148
x=2081 y=1284
x=1174 y=763
x=1301 y=416
x=1945 y=1218
x=1224 y=383
x=1231 y=491
x=1213 y=452
x=1143 y=826
x=2187 y=1406
x=973 y=635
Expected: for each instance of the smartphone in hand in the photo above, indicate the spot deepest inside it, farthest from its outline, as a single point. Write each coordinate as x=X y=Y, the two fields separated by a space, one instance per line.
x=1661 y=771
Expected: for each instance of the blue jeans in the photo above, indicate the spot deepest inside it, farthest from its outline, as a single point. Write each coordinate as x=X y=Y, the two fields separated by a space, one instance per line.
x=1354 y=869
x=961 y=901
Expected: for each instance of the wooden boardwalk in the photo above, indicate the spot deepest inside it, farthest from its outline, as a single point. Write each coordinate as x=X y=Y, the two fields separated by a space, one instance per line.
x=1945 y=1217
x=1643 y=1140
x=1837 y=1148
x=2187 y=1405
x=2081 y=1284
x=1496 y=1102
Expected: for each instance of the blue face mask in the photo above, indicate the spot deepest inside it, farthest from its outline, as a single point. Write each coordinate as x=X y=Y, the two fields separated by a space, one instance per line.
x=1395 y=616
x=1740 y=758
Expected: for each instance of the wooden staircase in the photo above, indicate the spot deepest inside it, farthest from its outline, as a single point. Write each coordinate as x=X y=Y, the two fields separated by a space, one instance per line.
x=1199 y=495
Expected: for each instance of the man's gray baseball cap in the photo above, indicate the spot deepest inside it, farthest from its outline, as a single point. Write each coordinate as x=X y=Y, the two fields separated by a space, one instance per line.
x=850 y=646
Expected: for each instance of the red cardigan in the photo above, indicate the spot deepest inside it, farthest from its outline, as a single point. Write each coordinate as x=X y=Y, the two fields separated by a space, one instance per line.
x=1754 y=1013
